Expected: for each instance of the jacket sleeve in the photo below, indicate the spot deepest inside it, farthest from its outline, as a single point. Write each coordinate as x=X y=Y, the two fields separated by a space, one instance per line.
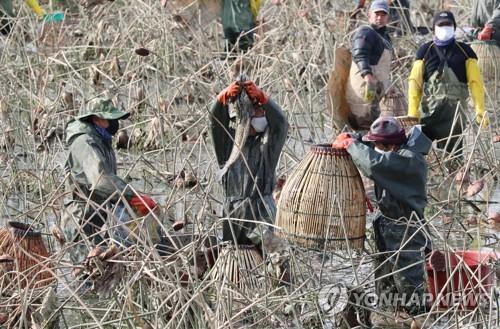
x=476 y=86
x=278 y=129
x=33 y=4
x=495 y=19
x=361 y=49
x=221 y=133
x=415 y=87
x=104 y=182
x=391 y=171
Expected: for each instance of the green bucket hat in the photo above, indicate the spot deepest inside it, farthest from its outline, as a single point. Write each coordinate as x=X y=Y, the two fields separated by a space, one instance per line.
x=102 y=108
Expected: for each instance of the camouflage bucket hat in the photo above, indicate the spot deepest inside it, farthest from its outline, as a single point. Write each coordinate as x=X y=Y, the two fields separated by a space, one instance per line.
x=102 y=108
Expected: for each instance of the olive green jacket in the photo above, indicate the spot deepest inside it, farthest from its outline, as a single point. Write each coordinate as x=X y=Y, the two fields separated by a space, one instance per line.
x=91 y=163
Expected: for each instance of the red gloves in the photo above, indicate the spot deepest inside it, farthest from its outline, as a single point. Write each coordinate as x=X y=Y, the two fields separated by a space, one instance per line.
x=142 y=204
x=343 y=141
x=255 y=93
x=486 y=33
x=230 y=92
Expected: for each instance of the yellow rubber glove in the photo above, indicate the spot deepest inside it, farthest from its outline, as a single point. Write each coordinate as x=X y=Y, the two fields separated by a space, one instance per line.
x=33 y=4
x=415 y=85
x=255 y=7
x=372 y=92
x=476 y=87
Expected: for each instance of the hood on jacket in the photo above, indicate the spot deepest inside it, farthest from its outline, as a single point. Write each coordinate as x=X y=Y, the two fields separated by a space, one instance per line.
x=417 y=141
x=76 y=128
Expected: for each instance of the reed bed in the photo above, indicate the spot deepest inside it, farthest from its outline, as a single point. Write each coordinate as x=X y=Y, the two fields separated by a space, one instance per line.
x=49 y=72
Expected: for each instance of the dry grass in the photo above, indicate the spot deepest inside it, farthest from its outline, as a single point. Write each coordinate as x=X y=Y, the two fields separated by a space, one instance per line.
x=168 y=93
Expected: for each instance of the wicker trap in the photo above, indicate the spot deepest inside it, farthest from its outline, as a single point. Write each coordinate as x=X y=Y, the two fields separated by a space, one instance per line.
x=488 y=59
x=322 y=204
x=29 y=252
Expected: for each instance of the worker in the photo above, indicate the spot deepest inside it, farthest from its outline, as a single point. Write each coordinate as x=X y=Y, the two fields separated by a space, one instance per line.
x=250 y=180
x=443 y=73
x=238 y=22
x=399 y=14
x=486 y=15
x=92 y=182
x=369 y=75
x=397 y=166
x=7 y=14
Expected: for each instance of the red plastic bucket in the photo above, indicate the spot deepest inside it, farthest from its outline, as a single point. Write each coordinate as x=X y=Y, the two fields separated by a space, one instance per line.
x=463 y=278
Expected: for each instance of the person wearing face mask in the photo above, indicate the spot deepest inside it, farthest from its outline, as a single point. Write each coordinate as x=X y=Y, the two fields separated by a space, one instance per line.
x=7 y=14
x=486 y=15
x=92 y=180
x=369 y=76
x=397 y=166
x=249 y=182
x=442 y=75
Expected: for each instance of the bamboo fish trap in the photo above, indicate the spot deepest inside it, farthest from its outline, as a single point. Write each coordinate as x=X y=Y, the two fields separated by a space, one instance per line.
x=393 y=104
x=407 y=122
x=241 y=265
x=240 y=271
x=488 y=59
x=322 y=204
x=30 y=255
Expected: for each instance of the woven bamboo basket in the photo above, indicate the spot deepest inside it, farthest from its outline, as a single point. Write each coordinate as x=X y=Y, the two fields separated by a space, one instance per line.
x=26 y=246
x=393 y=104
x=322 y=204
x=407 y=122
x=241 y=265
x=488 y=59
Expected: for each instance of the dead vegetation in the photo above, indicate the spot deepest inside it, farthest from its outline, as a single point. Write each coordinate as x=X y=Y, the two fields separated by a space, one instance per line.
x=165 y=63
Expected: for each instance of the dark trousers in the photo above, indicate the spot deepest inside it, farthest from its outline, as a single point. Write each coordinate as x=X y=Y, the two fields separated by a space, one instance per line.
x=244 y=42
x=400 y=270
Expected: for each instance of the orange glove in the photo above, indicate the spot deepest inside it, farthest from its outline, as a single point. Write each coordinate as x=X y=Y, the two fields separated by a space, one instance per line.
x=230 y=92
x=142 y=204
x=486 y=33
x=255 y=93
x=343 y=141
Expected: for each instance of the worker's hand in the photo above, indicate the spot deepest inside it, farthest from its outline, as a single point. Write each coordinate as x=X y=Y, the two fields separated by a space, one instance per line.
x=486 y=33
x=229 y=93
x=343 y=141
x=255 y=93
x=372 y=91
x=482 y=119
x=142 y=204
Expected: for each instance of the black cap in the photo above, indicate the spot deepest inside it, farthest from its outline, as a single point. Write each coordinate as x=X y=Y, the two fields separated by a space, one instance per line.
x=444 y=16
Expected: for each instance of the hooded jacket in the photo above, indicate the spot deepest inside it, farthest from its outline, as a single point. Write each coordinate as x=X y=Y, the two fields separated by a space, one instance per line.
x=91 y=163
x=400 y=177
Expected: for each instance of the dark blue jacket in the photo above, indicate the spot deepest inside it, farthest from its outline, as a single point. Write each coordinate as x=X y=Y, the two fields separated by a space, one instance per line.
x=368 y=44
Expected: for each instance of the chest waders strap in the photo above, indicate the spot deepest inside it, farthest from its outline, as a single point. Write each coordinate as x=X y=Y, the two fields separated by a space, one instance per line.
x=442 y=57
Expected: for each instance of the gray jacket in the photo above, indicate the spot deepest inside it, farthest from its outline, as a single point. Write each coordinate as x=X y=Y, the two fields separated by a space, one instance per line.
x=400 y=177
x=91 y=163
x=486 y=11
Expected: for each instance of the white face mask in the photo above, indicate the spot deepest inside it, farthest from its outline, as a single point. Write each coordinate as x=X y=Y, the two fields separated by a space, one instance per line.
x=259 y=124
x=444 y=33
x=380 y=151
